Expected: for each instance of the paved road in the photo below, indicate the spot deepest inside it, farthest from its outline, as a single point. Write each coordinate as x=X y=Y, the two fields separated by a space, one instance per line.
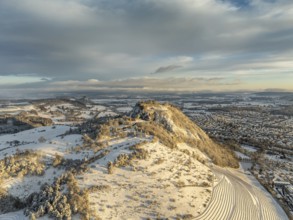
x=234 y=199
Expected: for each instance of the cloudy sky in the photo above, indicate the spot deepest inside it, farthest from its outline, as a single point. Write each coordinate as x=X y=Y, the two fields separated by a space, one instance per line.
x=157 y=45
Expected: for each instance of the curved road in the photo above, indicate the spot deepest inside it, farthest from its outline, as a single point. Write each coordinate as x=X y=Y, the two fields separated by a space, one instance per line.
x=233 y=198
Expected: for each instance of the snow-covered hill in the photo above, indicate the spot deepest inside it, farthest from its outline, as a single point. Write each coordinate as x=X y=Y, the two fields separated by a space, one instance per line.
x=182 y=129
x=153 y=164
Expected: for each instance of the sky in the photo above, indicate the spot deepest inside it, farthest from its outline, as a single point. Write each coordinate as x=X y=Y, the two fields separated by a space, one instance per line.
x=145 y=45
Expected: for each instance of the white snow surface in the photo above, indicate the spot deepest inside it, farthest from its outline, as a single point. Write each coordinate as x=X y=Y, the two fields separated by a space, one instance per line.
x=167 y=183
x=149 y=187
x=124 y=109
x=249 y=148
x=29 y=140
x=241 y=155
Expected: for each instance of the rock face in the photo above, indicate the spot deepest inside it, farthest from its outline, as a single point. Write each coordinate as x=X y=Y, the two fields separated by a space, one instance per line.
x=171 y=118
x=179 y=125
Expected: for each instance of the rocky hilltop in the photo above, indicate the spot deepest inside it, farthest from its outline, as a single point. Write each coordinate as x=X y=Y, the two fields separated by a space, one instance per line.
x=169 y=120
x=151 y=163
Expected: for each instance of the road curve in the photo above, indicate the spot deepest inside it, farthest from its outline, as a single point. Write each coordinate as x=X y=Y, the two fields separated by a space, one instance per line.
x=233 y=198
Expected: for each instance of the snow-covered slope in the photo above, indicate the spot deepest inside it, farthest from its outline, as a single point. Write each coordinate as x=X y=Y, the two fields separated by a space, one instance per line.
x=153 y=164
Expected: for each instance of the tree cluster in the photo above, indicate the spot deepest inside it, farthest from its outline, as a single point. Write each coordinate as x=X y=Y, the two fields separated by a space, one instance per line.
x=61 y=200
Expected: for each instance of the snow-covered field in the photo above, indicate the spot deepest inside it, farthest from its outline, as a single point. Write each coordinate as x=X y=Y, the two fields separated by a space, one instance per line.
x=248 y=148
x=124 y=109
x=241 y=155
x=150 y=188
x=53 y=142
x=168 y=183
x=106 y=113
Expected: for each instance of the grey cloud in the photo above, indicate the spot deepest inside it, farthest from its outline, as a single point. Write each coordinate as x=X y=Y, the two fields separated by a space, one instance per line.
x=164 y=69
x=45 y=79
x=82 y=39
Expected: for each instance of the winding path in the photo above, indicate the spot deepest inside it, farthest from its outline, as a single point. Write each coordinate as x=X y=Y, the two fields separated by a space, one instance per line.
x=233 y=198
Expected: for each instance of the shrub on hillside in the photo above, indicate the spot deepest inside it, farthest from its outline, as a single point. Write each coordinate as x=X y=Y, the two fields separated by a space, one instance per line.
x=151 y=128
x=42 y=139
x=122 y=160
x=220 y=155
x=61 y=200
x=110 y=167
x=10 y=203
x=21 y=164
x=58 y=159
